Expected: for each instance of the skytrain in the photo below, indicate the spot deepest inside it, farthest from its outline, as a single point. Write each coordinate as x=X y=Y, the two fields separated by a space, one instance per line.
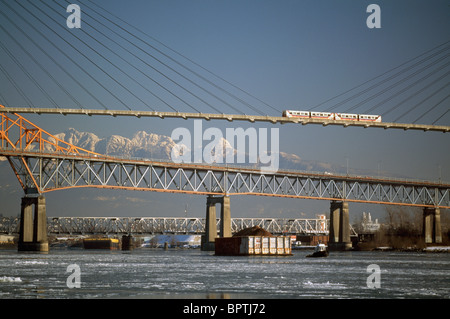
x=333 y=116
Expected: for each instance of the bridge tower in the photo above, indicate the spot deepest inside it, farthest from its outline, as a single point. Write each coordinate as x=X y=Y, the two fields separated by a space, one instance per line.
x=208 y=240
x=339 y=235
x=33 y=229
x=432 y=225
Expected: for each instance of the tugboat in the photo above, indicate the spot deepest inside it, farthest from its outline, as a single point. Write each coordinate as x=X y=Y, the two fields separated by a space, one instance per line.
x=320 y=251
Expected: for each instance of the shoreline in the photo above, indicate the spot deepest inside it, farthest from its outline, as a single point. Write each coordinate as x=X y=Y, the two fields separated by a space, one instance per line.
x=430 y=249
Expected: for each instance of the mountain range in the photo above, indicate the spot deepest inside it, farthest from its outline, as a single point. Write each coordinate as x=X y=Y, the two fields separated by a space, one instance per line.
x=154 y=146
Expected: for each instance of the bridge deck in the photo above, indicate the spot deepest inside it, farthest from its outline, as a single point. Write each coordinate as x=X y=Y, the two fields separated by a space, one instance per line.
x=228 y=117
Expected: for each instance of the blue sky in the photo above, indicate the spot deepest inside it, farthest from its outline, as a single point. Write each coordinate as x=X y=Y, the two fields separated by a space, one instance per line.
x=290 y=54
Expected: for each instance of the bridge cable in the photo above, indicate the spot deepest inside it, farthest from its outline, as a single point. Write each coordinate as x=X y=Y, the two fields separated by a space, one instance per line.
x=360 y=85
x=87 y=73
x=432 y=108
x=448 y=110
x=159 y=73
x=173 y=70
x=405 y=89
x=28 y=74
x=153 y=94
x=143 y=73
x=419 y=81
x=2 y=98
x=379 y=76
x=164 y=64
x=49 y=56
x=86 y=57
x=426 y=76
x=37 y=62
x=130 y=77
x=429 y=96
x=415 y=93
x=16 y=86
x=106 y=73
x=390 y=78
x=182 y=65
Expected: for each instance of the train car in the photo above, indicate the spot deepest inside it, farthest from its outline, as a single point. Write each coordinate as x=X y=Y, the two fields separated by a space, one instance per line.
x=322 y=115
x=346 y=117
x=369 y=118
x=303 y=114
x=333 y=116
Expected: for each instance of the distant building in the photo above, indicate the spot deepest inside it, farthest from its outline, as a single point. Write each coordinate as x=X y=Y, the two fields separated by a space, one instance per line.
x=369 y=226
x=172 y=240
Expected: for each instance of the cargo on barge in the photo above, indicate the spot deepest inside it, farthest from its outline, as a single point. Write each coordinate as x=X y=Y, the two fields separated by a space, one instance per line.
x=253 y=241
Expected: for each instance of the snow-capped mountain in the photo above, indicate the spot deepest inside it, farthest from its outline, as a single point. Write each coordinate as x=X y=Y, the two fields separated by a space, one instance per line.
x=154 y=146
x=141 y=145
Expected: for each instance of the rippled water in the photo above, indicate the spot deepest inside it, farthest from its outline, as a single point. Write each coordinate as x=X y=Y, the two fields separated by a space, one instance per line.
x=156 y=273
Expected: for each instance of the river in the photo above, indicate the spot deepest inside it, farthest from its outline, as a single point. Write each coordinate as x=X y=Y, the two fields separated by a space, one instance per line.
x=191 y=273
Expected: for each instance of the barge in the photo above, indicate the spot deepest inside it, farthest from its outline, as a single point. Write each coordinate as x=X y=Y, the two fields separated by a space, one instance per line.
x=253 y=241
x=101 y=243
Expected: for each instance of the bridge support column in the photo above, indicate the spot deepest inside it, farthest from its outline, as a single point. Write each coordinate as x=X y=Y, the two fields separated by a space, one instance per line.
x=339 y=237
x=432 y=225
x=225 y=218
x=33 y=231
x=208 y=240
x=127 y=242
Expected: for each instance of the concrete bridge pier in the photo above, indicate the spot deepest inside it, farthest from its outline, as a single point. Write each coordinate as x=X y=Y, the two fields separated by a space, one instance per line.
x=432 y=225
x=339 y=236
x=208 y=240
x=127 y=242
x=33 y=229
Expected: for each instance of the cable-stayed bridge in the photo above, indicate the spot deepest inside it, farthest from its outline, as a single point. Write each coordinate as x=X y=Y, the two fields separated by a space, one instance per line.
x=109 y=67
x=121 y=71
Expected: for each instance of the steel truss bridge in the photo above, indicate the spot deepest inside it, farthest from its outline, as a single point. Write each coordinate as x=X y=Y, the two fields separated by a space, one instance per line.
x=44 y=163
x=41 y=172
x=166 y=225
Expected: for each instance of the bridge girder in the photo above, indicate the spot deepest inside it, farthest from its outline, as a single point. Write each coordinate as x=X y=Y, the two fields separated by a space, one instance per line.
x=40 y=172
x=227 y=117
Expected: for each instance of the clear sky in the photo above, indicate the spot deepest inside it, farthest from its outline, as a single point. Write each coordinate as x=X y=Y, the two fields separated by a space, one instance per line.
x=289 y=54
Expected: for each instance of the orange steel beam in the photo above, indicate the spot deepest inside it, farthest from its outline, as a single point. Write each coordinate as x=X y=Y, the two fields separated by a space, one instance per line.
x=16 y=173
x=21 y=135
x=29 y=173
x=27 y=134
